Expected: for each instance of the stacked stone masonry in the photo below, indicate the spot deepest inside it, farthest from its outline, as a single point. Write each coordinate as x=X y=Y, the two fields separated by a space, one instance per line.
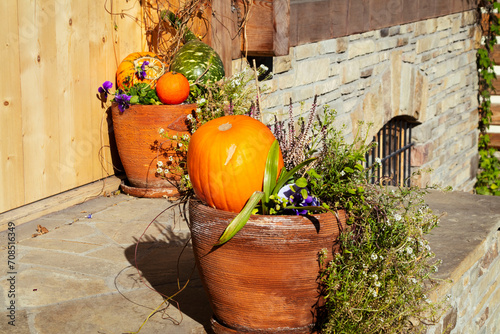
x=474 y=296
x=425 y=70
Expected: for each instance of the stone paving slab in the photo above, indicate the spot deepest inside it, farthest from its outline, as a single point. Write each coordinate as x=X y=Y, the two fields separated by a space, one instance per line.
x=80 y=276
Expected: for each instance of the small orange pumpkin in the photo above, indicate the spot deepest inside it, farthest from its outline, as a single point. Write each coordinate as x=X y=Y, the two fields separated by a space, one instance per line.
x=226 y=160
x=127 y=73
x=172 y=88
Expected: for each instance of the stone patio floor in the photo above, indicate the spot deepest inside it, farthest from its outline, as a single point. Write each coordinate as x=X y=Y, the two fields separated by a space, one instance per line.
x=81 y=276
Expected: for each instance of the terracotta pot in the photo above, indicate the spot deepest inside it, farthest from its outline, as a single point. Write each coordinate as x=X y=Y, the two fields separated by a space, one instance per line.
x=140 y=145
x=265 y=279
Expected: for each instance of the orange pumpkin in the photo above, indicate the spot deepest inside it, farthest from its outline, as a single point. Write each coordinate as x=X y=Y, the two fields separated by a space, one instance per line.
x=226 y=160
x=127 y=73
x=172 y=88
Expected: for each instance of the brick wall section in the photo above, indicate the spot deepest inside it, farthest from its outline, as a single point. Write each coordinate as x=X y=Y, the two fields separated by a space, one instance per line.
x=424 y=69
x=475 y=295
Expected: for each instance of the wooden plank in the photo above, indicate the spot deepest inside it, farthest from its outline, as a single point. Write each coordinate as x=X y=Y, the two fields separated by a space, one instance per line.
x=382 y=16
x=257 y=36
x=75 y=165
x=11 y=144
x=495 y=54
x=101 y=48
x=494 y=140
x=222 y=29
x=495 y=119
x=59 y=202
x=39 y=81
x=281 y=25
x=496 y=86
x=311 y=20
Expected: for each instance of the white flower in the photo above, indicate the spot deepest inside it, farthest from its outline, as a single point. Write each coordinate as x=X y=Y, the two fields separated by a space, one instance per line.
x=413 y=280
x=409 y=250
x=201 y=101
x=374 y=256
x=180 y=144
x=159 y=170
x=161 y=130
x=190 y=117
x=198 y=110
x=185 y=137
x=375 y=277
x=187 y=177
x=377 y=284
x=159 y=163
x=166 y=171
x=174 y=137
x=170 y=158
x=378 y=161
x=397 y=217
x=373 y=292
x=342 y=173
x=263 y=67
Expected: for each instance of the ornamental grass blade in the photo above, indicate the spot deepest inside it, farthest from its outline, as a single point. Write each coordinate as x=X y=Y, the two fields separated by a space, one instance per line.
x=270 y=173
x=285 y=176
x=241 y=219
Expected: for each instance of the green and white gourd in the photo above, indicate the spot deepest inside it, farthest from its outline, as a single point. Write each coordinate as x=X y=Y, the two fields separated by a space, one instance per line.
x=197 y=61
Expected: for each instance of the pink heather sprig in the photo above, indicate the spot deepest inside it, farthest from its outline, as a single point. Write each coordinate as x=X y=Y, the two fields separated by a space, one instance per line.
x=293 y=145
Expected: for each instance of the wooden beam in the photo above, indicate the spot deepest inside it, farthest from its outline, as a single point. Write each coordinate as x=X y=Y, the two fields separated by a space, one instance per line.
x=267 y=29
x=222 y=30
x=281 y=27
x=495 y=118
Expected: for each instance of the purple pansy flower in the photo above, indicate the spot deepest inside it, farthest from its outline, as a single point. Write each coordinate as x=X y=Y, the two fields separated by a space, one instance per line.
x=123 y=101
x=295 y=197
x=104 y=89
x=142 y=73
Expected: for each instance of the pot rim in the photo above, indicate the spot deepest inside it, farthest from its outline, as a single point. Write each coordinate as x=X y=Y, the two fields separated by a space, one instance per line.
x=229 y=214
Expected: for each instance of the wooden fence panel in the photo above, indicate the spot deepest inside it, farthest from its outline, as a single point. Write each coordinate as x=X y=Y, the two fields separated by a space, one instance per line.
x=53 y=127
x=11 y=144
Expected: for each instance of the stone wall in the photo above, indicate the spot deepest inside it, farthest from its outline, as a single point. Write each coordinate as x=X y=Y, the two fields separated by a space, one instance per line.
x=425 y=70
x=475 y=296
x=467 y=241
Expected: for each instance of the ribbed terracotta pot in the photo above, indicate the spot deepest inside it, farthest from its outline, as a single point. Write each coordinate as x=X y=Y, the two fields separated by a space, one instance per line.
x=140 y=145
x=265 y=279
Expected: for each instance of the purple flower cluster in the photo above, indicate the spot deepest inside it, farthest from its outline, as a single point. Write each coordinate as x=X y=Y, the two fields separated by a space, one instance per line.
x=123 y=101
x=104 y=89
x=298 y=197
x=142 y=73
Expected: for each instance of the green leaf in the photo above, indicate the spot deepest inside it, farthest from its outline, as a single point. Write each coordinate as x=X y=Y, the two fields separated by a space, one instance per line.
x=312 y=173
x=284 y=176
x=349 y=170
x=134 y=99
x=301 y=182
x=270 y=173
x=241 y=219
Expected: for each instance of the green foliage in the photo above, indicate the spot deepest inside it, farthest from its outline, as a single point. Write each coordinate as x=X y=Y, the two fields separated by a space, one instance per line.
x=234 y=95
x=142 y=93
x=488 y=178
x=381 y=281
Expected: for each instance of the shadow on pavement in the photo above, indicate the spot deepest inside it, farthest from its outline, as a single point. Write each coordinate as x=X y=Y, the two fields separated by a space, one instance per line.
x=167 y=264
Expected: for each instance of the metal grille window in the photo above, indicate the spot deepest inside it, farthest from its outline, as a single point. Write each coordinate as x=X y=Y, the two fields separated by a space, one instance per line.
x=393 y=150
